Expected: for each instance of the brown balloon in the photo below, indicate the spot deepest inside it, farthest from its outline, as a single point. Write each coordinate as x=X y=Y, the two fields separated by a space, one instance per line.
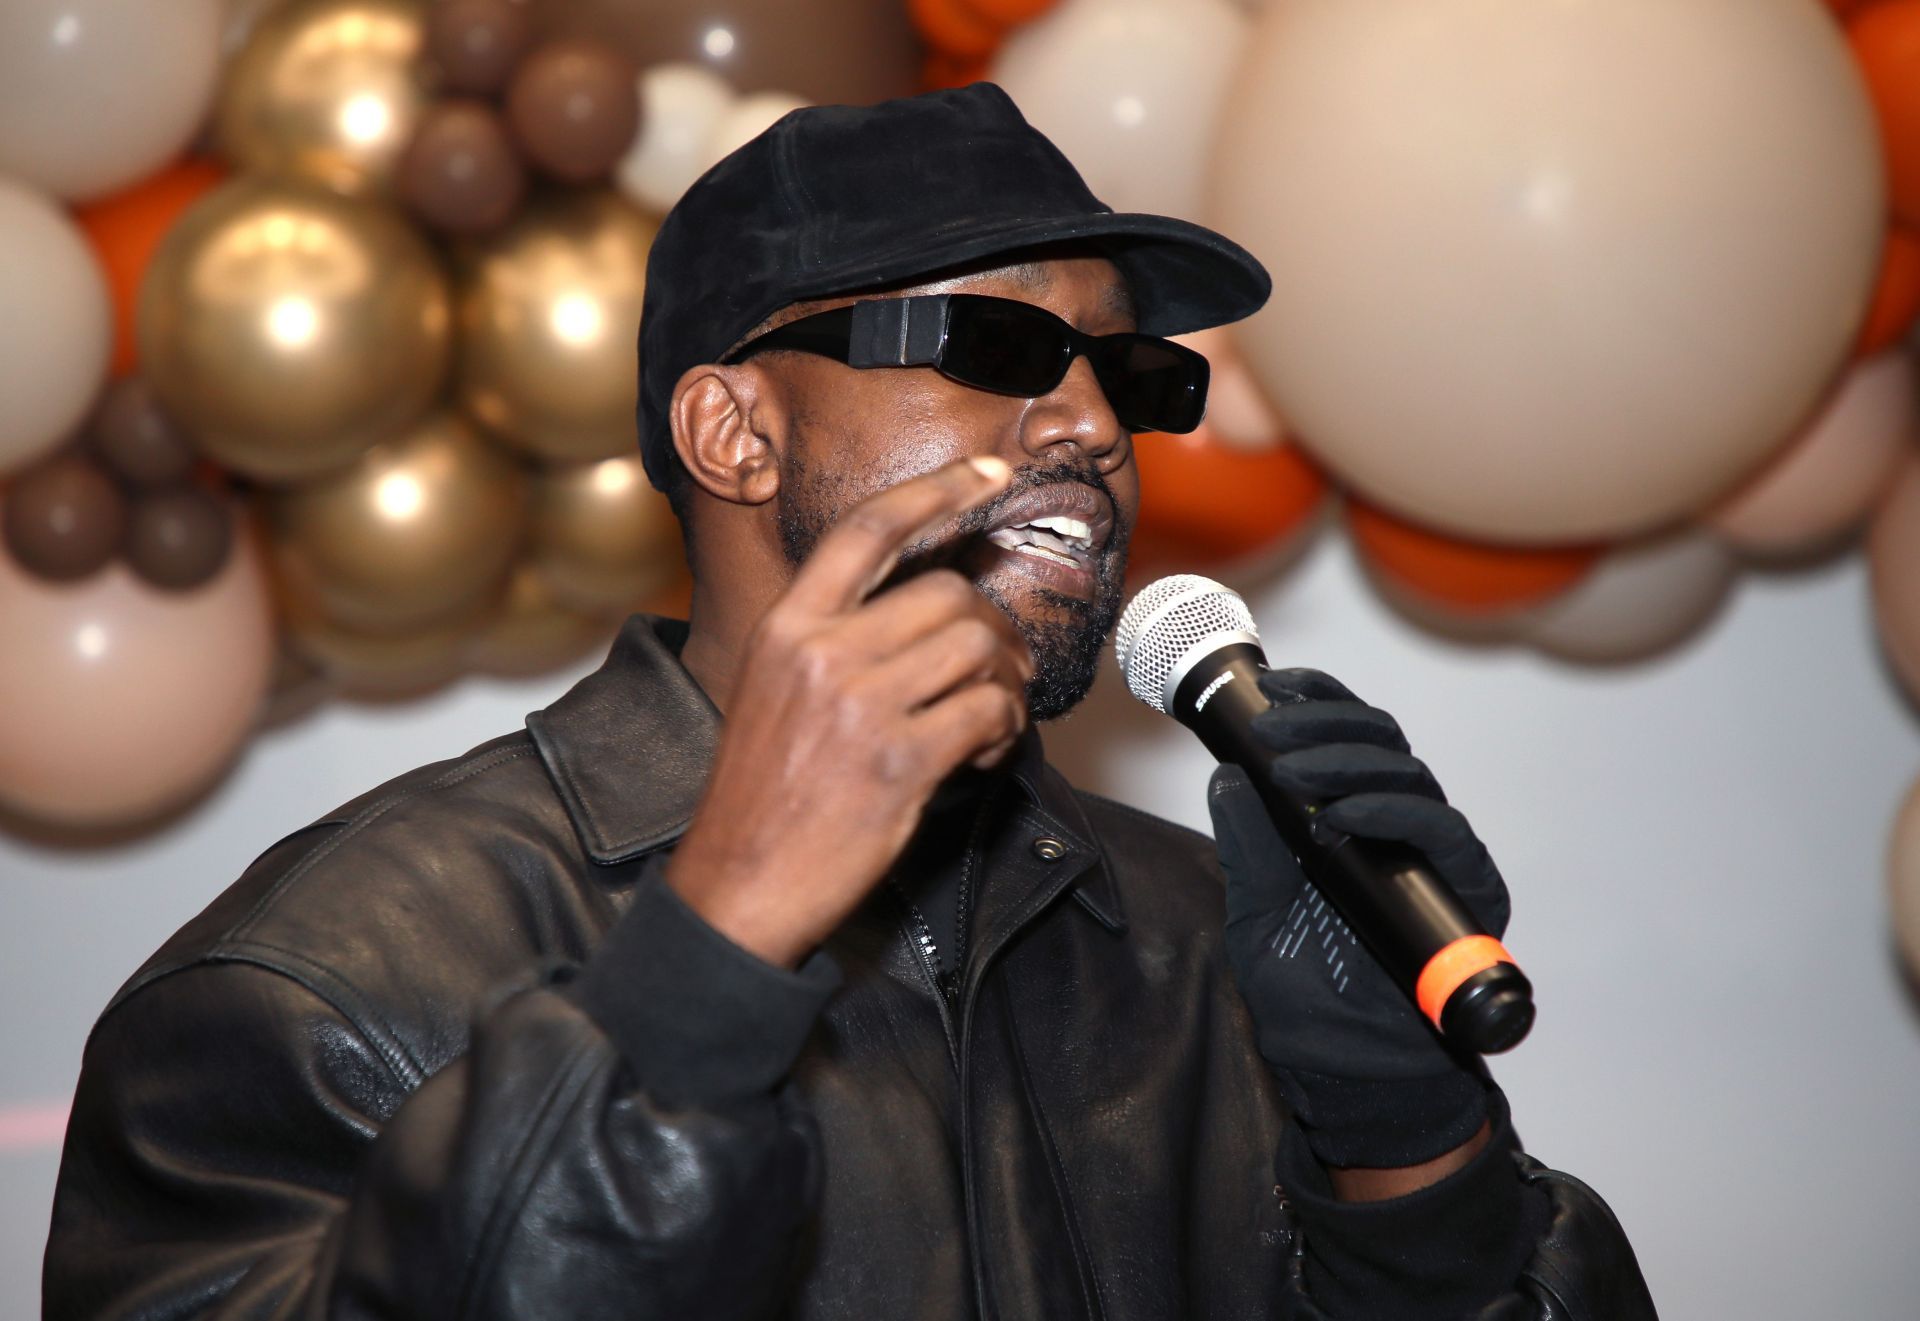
x=327 y=90
x=288 y=328
x=532 y=633
x=845 y=51
x=461 y=173
x=574 y=107
x=132 y=434
x=602 y=538
x=549 y=312
x=64 y=519
x=473 y=45
x=179 y=538
x=419 y=531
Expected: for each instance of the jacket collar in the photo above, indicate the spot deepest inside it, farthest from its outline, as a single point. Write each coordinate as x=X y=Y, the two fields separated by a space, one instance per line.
x=629 y=748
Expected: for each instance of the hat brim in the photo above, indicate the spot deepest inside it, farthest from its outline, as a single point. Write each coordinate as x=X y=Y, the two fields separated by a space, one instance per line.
x=1183 y=276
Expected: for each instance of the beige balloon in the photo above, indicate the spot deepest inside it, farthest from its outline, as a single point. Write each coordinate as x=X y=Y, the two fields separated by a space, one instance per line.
x=289 y=328
x=1903 y=880
x=1893 y=556
x=122 y=702
x=1641 y=599
x=327 y=90
x=532 y=633
x=1825 y=482
x=1549 y=272
x=602 y=539
x=549 y=315
x=420 y=530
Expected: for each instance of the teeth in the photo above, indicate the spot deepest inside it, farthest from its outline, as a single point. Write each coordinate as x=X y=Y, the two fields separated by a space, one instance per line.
x=1042 y=552
x=1071 y=528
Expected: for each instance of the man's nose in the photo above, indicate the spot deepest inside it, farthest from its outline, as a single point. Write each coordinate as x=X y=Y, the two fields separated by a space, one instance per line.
x=1075 y=412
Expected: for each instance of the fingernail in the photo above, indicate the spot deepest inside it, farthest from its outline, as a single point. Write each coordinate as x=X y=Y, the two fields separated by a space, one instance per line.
x=994 y=470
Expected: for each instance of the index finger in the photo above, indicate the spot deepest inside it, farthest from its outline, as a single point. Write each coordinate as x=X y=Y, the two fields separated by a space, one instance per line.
x=863 y=547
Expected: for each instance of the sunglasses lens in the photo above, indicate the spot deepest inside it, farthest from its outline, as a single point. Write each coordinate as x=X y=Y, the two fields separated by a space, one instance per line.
x=1007 y=347
x=1153 y=385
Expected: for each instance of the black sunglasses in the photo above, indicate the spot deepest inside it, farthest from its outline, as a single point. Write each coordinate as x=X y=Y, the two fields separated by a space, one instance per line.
x=1007 y=347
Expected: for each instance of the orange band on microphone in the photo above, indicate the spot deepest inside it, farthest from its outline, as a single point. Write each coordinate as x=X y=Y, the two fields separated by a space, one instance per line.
x=1453 y=965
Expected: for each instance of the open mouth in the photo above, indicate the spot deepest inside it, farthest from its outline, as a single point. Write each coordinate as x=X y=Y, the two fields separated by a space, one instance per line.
x=1061 y=525
x=1055 y=537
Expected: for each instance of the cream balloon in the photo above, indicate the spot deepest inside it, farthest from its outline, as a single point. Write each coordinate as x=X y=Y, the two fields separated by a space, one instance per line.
x=123 y=701
x=1893 y=555
x=1130 y=90
x=98 y=94
x=1238 y=412
x=680 y=103
x=1640 y=599
x=1550 y=272
x=56 y=325
x=745 y=120
x=1825 y=483
x=1903 y=880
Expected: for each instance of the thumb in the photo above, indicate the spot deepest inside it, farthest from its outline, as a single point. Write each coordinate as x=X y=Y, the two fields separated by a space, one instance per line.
x=1262 y=876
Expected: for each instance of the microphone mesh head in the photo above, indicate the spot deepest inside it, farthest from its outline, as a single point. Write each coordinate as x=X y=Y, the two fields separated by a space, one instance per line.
x=1163 y=622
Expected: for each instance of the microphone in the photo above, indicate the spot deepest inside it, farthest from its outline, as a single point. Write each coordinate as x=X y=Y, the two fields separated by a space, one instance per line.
x=1188 y=648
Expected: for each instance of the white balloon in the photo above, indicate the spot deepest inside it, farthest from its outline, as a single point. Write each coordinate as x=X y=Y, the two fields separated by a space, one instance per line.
x=56 y=325
x=680 y=104
x=1639 y=599
x=1550 y=272
x=98 y=94
x=745 y=120
x=1130 y=91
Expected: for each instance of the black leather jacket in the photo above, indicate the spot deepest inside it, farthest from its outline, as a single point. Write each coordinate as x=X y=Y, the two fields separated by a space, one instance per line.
x=370 y=1079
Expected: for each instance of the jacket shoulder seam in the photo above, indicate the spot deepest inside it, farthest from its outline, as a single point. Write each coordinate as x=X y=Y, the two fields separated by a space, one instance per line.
x=466 y=770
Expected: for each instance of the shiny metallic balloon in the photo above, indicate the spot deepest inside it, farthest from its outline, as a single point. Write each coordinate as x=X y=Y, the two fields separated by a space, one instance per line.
x=549 y=313
x=602 y=538
x=532 y=633
x=372 y=667
x=418 y=532
x=328 y=90
x=288 y=328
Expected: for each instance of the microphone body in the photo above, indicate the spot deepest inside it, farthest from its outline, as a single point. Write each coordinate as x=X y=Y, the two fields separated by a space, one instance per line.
x=1461 y=978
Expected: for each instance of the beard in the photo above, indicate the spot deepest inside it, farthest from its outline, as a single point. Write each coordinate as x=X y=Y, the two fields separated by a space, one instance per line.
x=1066 y=635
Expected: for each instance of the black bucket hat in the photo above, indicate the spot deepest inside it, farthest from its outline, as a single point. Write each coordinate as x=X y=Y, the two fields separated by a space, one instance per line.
x=835 y=199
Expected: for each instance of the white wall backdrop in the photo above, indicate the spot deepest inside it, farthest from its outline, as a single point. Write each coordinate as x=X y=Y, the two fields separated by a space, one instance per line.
x=1696 y=847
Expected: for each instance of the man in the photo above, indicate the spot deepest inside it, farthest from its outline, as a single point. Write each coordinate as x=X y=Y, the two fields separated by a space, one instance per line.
x=844 y=1004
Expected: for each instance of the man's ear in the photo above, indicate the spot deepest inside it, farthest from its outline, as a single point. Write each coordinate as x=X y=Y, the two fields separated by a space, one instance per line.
x=725 y=424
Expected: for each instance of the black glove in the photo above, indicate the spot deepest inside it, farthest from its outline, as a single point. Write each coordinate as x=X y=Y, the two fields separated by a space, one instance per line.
x=1371 y=1083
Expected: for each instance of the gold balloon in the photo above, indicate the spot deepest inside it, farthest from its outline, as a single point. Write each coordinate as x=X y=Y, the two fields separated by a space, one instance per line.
x=375 y=668
x=288 y=328
x=417 y=532
x=326 y=89
x=549 y=315
x=533 y=633
x=602 y=538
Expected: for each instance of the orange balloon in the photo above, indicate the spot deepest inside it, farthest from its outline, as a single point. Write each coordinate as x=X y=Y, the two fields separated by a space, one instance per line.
x=1463 y=575
x=1204 y=503
x=941 y=70
x=1886 y=42
x=1008 y=13
x=1896 y=298
x=952 y=28
x=126 y=228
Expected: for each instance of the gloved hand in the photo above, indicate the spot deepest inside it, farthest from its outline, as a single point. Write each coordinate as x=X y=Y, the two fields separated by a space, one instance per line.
x=1371 y=1083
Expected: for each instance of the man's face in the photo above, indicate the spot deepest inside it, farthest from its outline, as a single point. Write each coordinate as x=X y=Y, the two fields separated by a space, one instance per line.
x=855 y=432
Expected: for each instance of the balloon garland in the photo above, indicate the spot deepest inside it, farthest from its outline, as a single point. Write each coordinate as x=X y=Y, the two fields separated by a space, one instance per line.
x=349 y=376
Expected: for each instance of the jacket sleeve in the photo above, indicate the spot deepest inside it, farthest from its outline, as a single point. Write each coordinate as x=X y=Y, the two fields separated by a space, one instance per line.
x=242 y=1145
x=1503 y=1239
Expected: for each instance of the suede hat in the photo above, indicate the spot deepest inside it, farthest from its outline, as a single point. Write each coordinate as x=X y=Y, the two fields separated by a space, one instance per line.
x=835 y=199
